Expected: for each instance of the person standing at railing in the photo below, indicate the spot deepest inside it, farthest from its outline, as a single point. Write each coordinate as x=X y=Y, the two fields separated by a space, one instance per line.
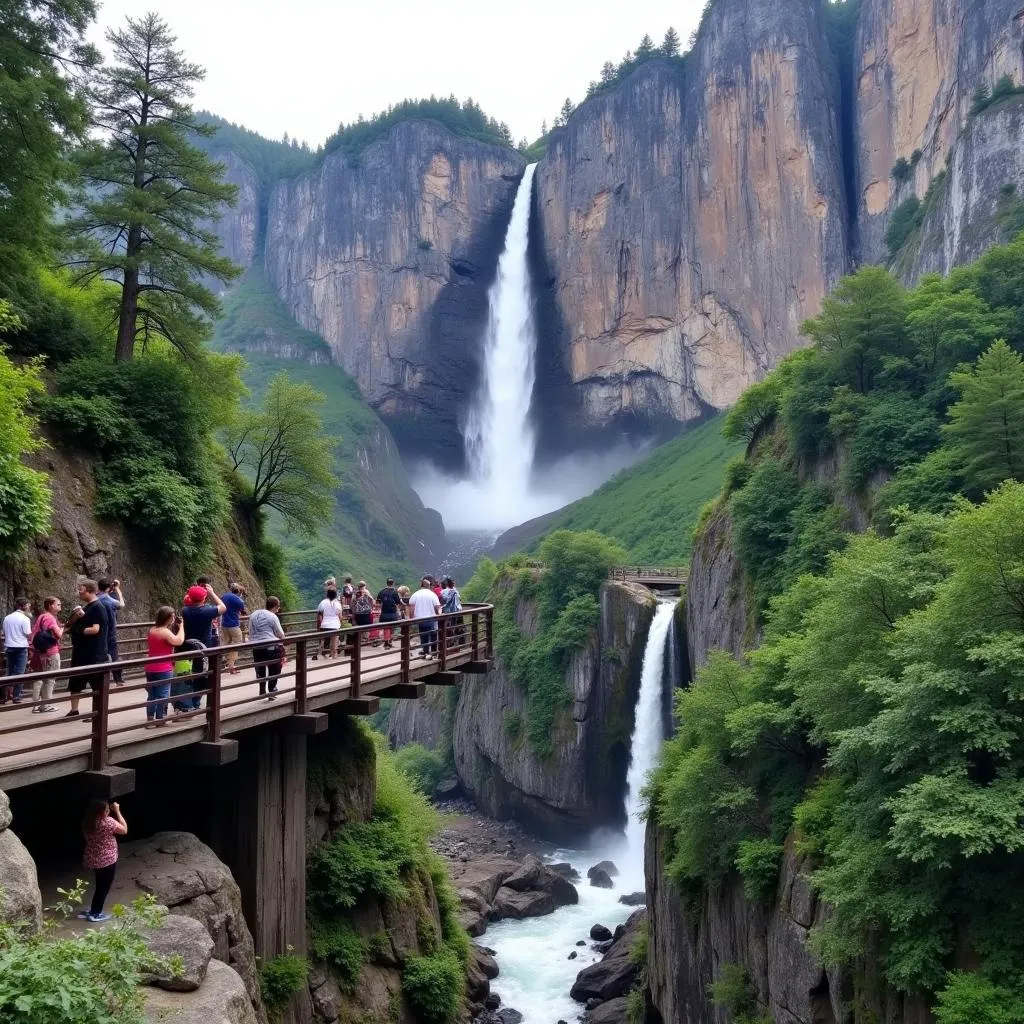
x=391 y=609
x=17 y=632
x=231 y=622
x=161 y=640
x=328 y=617
x=425 y=607
x=88 y=628
x=451 y=602
x=198 y=617
x=265 y=629
x=101 y=826
x=45 y=654
x=113 y=600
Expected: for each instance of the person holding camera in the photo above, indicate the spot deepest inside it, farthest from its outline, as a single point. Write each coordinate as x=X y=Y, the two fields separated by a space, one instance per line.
x=166 y=633
x=112 y=599
x=101 y=826
x=88 y=627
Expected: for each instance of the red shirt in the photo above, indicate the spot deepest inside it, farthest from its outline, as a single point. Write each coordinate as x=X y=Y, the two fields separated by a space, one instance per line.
x=157 y=645
x=48 y=621
x=100 y=844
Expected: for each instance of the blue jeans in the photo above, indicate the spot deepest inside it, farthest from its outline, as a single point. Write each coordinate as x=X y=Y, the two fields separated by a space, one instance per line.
x=158 y=689
x=17 y=662
x=181 y=694
x=428 y=636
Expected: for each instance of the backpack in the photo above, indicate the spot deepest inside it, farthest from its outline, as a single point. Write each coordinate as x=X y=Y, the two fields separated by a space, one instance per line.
x=362 y=604
x=452 y=604
x=42 y=642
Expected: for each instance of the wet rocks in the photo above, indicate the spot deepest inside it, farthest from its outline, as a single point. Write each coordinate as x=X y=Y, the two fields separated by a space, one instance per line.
x=634 y=899
x=616 y=973
x=607 y=866
x=599 y=933
x=600 y=879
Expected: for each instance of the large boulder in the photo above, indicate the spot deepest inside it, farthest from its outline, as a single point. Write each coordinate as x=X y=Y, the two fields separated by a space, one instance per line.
x=534 y=875
x=600 y=879
x=517 y=905
x=615 y=974
x=611 y=1012
x=485 y=875
x=180 y=937
x=187 y=877
x=221 y=999
x=607 y=866
x=20 y=899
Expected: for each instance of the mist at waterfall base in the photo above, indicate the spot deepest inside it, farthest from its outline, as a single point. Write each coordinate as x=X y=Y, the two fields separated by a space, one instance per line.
x=536 y=973
x=503 y=487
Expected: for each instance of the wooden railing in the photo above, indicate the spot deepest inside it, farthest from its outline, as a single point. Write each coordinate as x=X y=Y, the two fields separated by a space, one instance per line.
x=649 y=572
x=117 y=714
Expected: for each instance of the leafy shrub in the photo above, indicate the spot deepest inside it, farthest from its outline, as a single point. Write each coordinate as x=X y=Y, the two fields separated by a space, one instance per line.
x=902 y=171
x=422 y=767
x=895 y=431
x=757 y=860
x=434 y=986
x=636 y=1006
x=334 y=942
x=737 y=474
x=638 y=951
x=281 y=979
x=89 y=978
x=513 y=726
x=973 y=999
x=905 y=220
x=734 y=991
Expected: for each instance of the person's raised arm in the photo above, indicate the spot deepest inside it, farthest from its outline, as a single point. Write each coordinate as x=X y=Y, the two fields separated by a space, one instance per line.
x=115 y=593
x=175 y=639
x=221 y=606
x=121 y=826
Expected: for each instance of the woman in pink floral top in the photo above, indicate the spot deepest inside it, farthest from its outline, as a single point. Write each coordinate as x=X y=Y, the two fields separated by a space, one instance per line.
x=102 y=825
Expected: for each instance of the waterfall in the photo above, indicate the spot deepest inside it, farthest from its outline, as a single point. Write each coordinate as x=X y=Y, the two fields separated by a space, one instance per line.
x=648 y=733
x=498 y=434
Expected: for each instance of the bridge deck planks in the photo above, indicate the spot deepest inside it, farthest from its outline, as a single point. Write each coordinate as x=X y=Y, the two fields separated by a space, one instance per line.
x=323 y=691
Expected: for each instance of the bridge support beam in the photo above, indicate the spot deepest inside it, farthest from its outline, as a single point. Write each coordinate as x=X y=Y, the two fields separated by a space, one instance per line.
x=109 y=783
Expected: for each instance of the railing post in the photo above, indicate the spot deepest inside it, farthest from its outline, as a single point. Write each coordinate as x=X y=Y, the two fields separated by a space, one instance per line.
x=300 y=677
x=442 y=642
x=100 y=725
x=406 y=649
x=489 y=619
x=213 y=699
x=356 y=663
x=474 y=626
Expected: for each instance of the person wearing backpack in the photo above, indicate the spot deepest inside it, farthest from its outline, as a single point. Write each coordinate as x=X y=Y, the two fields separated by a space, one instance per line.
x=391 y=609
x=44 y=653
x=451 y=603
x=362 y=612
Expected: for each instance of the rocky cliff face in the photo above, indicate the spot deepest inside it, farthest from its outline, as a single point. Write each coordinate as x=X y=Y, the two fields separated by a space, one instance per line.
x=389 y=261
x=581 y=785
x=690 y=223
x=239 y=229
x=690 y=944
x=984 y=180
x=917 y=65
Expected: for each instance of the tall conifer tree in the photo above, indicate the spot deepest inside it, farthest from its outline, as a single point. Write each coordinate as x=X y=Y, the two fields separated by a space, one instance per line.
x=151 y=192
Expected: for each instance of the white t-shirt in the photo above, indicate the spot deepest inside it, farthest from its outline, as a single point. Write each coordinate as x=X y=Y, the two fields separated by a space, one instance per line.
x=330 y=614
x=17 y=630
x=424 y=604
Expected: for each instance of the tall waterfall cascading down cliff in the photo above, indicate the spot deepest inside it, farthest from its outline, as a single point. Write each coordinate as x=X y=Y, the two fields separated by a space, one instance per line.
x=498 y=434
x=648 y=734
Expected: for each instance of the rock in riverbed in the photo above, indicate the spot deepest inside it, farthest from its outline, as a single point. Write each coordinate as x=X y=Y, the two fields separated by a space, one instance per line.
x=599 y=933
x=601 y=879
x=607 y=866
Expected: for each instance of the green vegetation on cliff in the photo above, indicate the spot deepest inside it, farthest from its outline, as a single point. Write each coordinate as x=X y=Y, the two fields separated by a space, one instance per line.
x=878 y=725
x=387 y=861
x=567 y=612
x=651 y=508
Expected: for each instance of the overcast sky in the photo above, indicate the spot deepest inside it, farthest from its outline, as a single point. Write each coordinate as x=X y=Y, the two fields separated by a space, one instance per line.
x=302 y=66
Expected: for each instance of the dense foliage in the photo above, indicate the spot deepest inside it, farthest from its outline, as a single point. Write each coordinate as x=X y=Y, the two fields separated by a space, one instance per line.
x=93 y=977
x=879 y=722
x=387 y=859
x=281 y=979
x=565 y=592
x=269 y=159
x=421 y=766
x=465 y=119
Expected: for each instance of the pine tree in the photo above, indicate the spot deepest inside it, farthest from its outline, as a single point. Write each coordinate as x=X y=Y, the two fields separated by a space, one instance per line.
x=566 y=111
x=670 y=45
x=543 y=128
x=988 y=421
x=42 y=111
x=645 y=49
x=151 y=191
x=607 y=73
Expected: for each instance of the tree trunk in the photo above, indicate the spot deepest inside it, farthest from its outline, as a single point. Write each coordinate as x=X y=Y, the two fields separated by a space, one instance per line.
x=127 y=317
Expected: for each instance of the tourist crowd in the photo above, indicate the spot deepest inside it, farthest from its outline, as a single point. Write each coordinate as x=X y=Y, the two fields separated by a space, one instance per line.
x=179 y=637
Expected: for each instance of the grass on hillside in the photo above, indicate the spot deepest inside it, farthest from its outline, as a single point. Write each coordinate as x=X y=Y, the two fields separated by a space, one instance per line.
x=367 y=536
x=651 y=508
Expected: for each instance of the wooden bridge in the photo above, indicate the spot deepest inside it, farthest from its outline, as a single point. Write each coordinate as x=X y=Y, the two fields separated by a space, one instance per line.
x=112 y=729
x=655 y=577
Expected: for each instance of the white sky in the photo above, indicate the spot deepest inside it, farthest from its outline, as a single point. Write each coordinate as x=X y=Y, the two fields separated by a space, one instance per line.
x=302 y=66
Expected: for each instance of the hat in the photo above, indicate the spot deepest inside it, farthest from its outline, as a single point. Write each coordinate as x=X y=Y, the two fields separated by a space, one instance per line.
x=362 y=583
x=195 y=595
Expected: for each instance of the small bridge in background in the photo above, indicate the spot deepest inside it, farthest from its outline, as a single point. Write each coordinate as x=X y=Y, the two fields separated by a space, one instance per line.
x=652 y=576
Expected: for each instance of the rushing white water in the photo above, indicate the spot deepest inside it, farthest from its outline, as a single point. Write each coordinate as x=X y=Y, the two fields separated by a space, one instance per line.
x=533 y=955
x=499 y=436
x=648 y=733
